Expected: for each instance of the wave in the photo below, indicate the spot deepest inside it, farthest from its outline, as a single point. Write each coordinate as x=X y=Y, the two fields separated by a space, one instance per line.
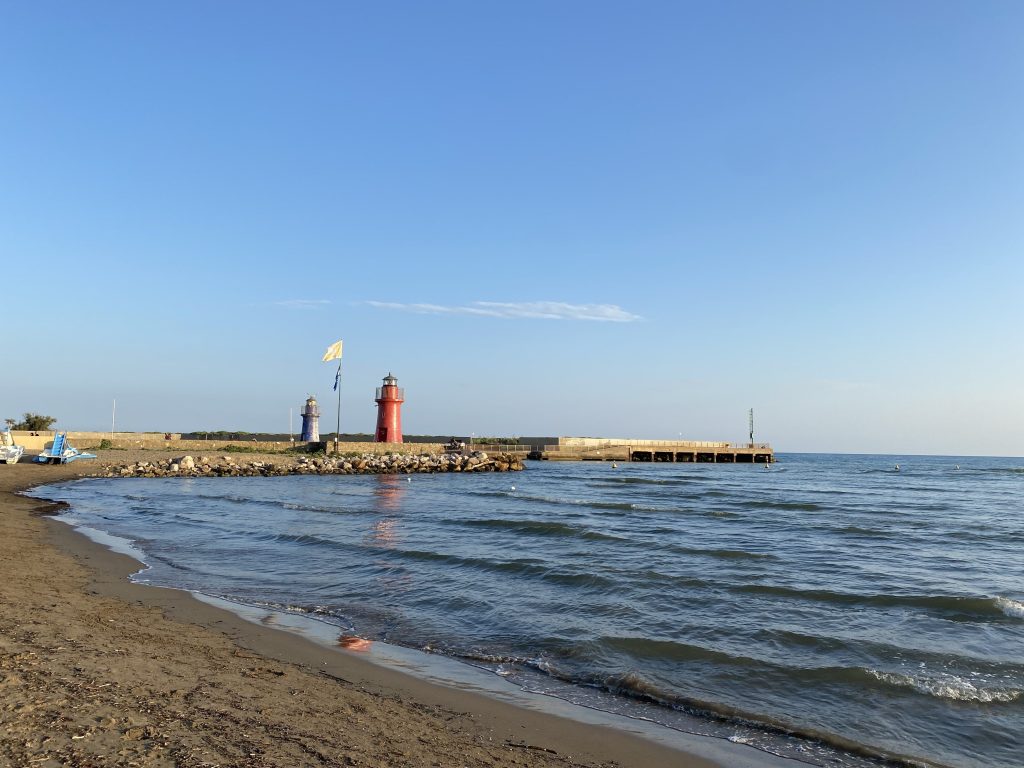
x=290 y=505
x=169 y=561
x=231 y=499
x=646 y=578
x=636 y=687
x=721 y=513
x=838 y=646
x=723 y=554
x=941 y=685
x=610 y=507
x=950 y=605
x=857 y=530
x=515 y=567
x=540 y=528
x=320 y=612
x=648 y=481
x=1012 y=608
x=673 y=650
x=799 y=506
x=624 y=506
x=948 y=686
x=249 y=501
x=307 y=539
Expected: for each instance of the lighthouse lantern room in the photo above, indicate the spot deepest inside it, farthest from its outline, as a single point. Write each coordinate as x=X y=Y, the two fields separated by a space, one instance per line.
x=389 y=411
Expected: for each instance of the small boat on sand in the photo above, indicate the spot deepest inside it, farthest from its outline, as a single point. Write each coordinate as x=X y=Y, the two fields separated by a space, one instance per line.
x=61 y=451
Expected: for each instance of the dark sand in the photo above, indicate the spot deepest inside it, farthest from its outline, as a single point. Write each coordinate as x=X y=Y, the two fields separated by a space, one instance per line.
x=97 y=671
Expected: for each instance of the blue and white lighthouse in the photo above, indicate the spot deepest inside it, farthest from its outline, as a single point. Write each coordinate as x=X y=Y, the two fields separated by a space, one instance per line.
x=311 y=421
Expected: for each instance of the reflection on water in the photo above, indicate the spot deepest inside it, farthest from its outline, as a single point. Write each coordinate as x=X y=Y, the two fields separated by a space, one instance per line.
x=388 y=493
x=387 y=498
x=383 y=534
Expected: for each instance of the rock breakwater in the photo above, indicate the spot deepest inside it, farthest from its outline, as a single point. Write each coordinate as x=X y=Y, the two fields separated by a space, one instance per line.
x=366 y=464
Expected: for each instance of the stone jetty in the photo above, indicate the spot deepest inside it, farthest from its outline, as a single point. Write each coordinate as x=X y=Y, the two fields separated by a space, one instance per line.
x=366 y=464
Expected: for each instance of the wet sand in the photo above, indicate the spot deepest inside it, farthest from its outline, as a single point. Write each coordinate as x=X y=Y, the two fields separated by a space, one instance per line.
x=97 y=671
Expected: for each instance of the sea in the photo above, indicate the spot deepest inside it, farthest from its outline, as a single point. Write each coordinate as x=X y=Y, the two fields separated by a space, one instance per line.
x=846 y=611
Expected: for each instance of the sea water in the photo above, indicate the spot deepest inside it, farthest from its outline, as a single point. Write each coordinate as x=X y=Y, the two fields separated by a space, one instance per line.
x=831 y=608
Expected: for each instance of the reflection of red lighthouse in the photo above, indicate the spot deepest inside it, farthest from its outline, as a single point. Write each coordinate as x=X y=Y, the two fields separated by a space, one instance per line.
x=389 y=411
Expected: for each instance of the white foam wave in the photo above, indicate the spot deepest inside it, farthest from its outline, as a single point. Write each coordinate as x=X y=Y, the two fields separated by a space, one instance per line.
x=947 y=686
x=1013 y=608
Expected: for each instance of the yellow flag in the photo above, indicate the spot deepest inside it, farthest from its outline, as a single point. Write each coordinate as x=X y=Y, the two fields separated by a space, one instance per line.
x=333 y=352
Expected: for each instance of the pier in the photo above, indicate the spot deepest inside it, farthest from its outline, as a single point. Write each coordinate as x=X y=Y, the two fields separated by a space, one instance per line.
x=661 y=451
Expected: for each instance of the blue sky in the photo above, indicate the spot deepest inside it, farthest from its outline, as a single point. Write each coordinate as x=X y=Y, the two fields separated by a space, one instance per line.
x=579 y=218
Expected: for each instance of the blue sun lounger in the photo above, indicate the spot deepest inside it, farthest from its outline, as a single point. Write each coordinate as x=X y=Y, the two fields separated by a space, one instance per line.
x=61 y=452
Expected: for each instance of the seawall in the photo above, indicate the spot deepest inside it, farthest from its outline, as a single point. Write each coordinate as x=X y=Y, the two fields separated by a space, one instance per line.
x=150 y=441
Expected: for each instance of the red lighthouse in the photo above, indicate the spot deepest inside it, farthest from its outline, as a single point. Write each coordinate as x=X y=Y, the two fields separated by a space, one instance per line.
x=389 y=411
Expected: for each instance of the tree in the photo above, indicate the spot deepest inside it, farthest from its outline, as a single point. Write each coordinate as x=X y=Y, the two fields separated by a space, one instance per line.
x=34 y=422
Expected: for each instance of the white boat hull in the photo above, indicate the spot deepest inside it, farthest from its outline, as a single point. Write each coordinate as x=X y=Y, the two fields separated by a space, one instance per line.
x=9 y=456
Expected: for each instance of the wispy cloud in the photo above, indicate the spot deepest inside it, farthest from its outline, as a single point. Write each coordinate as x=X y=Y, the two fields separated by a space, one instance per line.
x=302 y=303
x=533 y=310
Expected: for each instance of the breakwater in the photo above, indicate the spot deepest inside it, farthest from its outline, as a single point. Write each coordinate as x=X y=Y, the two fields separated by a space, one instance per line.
x=659 y=451
x=361 y=464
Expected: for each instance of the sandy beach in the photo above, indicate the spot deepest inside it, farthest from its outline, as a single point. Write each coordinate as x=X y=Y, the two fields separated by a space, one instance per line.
x=97 y=671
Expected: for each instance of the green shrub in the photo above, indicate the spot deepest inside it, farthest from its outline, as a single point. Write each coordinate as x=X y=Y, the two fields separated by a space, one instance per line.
x=34 y=422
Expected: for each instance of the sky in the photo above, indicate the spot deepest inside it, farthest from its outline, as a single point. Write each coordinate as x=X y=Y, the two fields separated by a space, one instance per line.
x=545 y=218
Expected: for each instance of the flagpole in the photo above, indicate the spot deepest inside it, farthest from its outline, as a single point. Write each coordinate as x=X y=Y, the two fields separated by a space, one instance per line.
x=334 y=351
x=337 y=386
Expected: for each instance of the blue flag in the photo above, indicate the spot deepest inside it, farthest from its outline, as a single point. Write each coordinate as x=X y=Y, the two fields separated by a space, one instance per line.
x=336 y=377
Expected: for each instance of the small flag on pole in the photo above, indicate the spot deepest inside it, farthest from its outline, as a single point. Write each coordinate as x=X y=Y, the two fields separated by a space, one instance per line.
x=333 y=352
x=336 y=377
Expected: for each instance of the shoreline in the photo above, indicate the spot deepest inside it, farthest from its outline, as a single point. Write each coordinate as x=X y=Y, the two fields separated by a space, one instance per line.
x=105 y=674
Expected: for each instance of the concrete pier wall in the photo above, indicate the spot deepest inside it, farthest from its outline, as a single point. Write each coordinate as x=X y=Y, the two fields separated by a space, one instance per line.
x=36 y=441
x=666 y=451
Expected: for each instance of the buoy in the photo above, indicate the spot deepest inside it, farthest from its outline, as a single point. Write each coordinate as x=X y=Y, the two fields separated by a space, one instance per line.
x=513 y=487
x=897 y=468
x=614 y=465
